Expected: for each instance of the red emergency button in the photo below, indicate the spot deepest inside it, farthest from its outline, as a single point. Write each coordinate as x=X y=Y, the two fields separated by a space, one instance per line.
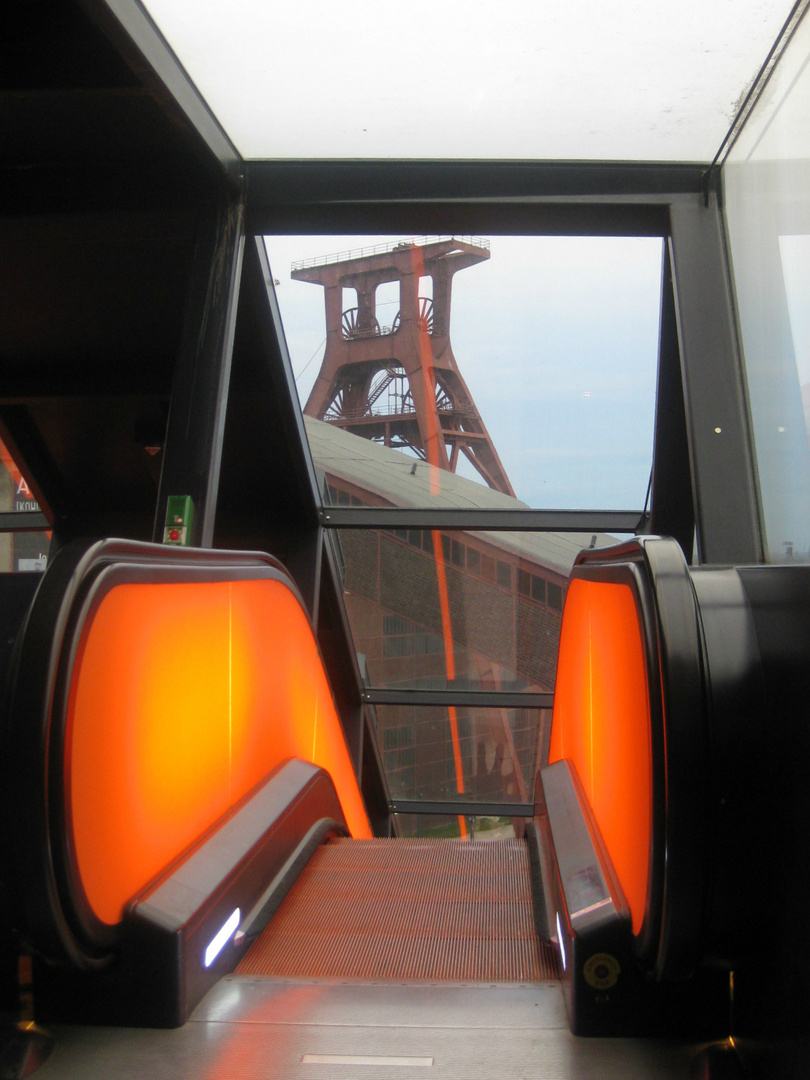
x=174 y=534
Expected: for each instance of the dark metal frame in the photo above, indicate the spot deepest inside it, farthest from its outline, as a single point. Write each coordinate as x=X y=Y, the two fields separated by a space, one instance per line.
x=476 y=699
x=448 y=520
x=698 y=336
x=193 y=450
x=494 y=190
x=726 y=513
x=435 y=808
x=128 y=24
x=258 y=263
x=23 y=521
x=674 y=514
x=703 y=497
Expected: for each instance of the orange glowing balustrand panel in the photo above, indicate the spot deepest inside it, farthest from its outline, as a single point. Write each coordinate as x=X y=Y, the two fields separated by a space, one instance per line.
x=601 y=722
x=183 y=698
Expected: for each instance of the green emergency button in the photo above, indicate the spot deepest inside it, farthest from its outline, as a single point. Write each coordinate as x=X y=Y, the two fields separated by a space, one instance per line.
x=179 y=515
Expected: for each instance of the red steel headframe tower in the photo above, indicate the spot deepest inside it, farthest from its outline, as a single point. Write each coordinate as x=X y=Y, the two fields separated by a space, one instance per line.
x=400 y=384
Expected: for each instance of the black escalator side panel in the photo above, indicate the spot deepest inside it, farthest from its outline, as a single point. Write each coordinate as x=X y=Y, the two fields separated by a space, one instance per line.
x=162 y=970
x=539 y=906
x=16 y=594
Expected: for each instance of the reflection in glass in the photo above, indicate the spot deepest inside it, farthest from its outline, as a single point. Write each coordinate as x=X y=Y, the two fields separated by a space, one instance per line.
x=485 y=755
x=482 y=611
x=19 y=551
x=444 y=827
x=766 y=185
x=24 y=552
x=477 y=372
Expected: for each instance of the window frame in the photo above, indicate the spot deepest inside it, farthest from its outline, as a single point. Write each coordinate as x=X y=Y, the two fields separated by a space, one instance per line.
x=695 y=494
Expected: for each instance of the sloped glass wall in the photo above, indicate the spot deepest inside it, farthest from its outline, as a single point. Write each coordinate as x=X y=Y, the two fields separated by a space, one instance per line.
x=767 y=198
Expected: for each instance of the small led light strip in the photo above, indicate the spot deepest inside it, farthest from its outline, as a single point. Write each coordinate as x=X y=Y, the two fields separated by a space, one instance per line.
x=222 y=937
x=560 y=942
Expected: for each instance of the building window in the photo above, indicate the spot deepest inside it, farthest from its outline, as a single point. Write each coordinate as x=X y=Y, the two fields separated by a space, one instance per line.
x=555 y=596
x=538 y=589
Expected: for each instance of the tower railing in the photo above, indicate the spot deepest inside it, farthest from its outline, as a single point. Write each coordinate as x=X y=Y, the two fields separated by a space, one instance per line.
x=384 y=249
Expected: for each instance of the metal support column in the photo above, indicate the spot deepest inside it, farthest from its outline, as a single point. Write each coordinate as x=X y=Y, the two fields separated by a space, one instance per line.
x=200 y=394
x=719 y=442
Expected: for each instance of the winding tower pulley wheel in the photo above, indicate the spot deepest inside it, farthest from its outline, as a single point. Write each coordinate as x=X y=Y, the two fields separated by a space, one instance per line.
x=425 y=318
x=351 y=326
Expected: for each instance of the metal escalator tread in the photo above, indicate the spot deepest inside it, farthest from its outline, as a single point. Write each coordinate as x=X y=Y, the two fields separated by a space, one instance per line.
x=408 y=910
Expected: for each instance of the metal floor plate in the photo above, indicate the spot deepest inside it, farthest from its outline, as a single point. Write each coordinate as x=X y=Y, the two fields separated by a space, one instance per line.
x=263 y=1029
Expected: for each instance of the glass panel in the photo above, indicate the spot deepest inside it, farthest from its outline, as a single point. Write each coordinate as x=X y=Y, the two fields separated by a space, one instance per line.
x=482 y=611
x=767 y=197
x=434 y=753
x=15 y=494
x=19 y=551
x=423 y=620
x=442 y=826
x=24 y=552
x=526 y=378
x=623 y=81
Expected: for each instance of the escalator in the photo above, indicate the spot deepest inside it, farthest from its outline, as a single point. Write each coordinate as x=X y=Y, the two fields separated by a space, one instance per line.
x=190 y=843
x=180 y=769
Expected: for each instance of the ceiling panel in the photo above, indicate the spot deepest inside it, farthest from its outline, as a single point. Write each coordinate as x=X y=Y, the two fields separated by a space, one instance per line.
x=633 y=80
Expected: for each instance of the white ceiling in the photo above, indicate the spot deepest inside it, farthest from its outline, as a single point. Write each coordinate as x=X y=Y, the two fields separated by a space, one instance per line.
x=622 y=80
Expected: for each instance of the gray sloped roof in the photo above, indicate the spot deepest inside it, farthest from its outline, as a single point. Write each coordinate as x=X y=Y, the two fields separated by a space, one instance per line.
x=401 y=480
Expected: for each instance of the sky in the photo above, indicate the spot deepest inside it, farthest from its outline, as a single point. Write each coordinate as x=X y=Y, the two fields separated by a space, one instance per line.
x=557 y=340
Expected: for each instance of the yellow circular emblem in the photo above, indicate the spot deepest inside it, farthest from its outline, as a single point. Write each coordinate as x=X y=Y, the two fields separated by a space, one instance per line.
x=602 y=971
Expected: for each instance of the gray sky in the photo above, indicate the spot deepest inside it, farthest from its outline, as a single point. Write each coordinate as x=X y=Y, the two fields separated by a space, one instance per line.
x=557 y=339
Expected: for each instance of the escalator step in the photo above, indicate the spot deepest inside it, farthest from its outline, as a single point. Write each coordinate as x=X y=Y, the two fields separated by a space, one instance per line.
x=408 y=910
